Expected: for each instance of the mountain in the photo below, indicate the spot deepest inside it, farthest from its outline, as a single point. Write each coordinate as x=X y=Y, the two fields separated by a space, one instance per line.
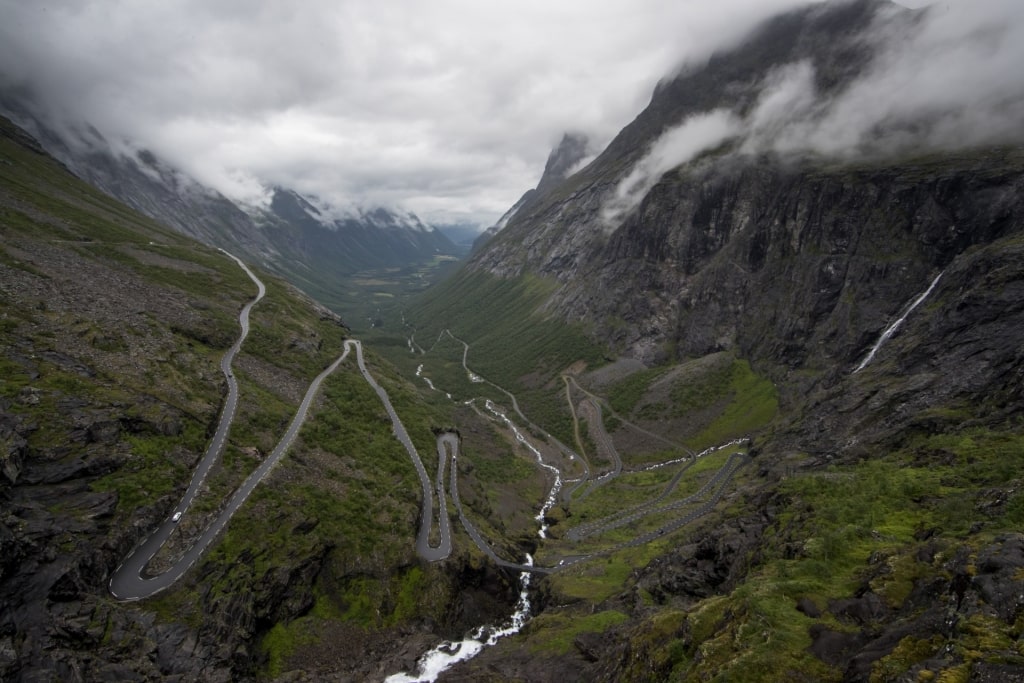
x=113 y=329
x=461 y=234
x=726 y=409
x=563 y=160
x=313 y=248
x=320 y=245
x=858 y=315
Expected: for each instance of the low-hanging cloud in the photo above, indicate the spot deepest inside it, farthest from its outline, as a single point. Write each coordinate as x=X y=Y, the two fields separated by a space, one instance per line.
x=447 y=107
x=948 y=79
x=951 y=81
x=674 y=147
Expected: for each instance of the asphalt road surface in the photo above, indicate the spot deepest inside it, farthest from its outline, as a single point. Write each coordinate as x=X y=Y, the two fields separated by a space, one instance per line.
x=130 y=581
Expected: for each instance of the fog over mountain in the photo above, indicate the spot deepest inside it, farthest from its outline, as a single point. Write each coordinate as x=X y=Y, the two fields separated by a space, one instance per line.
x=734 y=391
x=948 y=78
x=951 y=81
x=445 y=108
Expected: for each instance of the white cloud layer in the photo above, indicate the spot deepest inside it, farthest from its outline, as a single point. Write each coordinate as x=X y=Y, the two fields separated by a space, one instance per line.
x=674 y=147
x=447 y=107
x=953 y=81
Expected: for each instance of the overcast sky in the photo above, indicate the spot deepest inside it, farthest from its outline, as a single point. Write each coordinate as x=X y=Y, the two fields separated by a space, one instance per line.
x=447 y=108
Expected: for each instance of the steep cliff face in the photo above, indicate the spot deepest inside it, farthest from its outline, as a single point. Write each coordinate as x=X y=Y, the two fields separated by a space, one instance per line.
x=878 y=533
x=556 y=227
x=797 y=262
x=796 y=266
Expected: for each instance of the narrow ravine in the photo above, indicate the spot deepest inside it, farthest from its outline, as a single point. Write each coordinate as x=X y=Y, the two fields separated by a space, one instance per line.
x=445 y=655
x=442 y=657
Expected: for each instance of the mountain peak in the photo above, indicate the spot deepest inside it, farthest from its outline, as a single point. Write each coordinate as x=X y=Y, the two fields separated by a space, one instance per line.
x=564 y=159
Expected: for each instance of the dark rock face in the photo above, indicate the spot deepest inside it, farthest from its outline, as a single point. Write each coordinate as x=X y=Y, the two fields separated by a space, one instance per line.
x=57 y=549
x=976 y=315
x=705 y=567
x=932 y=612
x=830 y=37
x=794 y=265
x=998 y=582
x=572 y=149
x=14 y=431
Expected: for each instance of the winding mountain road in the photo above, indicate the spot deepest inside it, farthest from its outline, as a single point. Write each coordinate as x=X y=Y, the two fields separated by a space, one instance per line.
x=624 y=517
x=590 y=410
x=700 y=503
x=423 y=547
x=451 y=442
x=129 y=581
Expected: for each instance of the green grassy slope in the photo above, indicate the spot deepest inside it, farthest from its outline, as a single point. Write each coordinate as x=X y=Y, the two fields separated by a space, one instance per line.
x=111 y=331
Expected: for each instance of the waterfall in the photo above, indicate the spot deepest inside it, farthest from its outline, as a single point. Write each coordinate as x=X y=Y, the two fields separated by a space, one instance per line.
x=430 y=665
x=891 y=330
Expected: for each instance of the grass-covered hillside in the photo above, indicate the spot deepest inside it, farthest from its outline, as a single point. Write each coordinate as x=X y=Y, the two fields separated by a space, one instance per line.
x=111 y=331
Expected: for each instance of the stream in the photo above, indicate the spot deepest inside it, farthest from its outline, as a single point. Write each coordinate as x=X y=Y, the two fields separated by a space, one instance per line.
x=430 y=665
x=442 y=657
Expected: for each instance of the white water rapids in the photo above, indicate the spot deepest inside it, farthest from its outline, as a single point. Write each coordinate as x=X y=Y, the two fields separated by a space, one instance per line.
x=419 y=373
x=430 y=665
x=447 y=654
x=555 y=488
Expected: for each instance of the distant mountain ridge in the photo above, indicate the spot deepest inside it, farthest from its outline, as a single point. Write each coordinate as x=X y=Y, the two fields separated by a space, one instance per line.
x=292 y=236
x=563 y=160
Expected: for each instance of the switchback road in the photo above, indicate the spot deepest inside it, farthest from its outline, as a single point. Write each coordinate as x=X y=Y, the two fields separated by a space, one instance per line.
x=129 y=581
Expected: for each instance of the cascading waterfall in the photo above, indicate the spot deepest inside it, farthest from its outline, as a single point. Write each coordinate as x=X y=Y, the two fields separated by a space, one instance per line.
x=430 y=665
x=891 y=330
x=447 y=654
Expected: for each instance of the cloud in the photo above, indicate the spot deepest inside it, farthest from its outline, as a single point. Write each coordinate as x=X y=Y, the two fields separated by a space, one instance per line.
x=948 y=78
x=953 y=80
x=674 y=147
x=448 y=108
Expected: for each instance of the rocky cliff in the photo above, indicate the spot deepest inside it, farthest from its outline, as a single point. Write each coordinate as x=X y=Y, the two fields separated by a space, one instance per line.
x=877 y=539
x=794 y=261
